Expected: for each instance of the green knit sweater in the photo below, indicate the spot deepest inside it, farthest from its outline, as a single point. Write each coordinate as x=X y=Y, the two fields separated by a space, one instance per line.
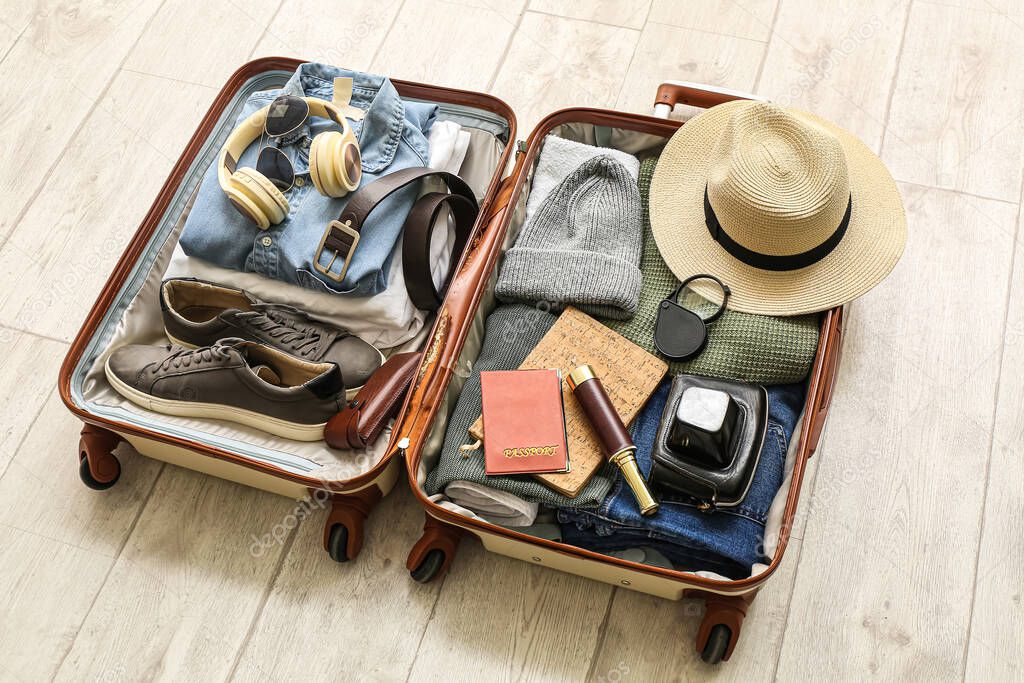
x=742 y=346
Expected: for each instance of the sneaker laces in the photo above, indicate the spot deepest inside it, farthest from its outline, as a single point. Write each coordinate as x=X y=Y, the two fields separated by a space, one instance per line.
x=304 y=338
x=184 y=358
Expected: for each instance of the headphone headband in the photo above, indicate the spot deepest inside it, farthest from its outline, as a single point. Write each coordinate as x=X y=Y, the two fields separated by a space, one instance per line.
x=250 y=130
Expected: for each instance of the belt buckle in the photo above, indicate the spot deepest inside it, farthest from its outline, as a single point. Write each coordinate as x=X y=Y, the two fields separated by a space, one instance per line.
x=333 y=229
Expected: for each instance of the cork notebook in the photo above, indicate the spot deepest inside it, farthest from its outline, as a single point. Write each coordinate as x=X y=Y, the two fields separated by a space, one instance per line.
x=629 y=375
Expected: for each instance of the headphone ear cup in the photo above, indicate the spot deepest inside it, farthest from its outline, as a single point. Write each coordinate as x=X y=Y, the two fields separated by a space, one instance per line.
x=321 y=169
x=254 y=186
x=245 y=206
x=314 y=164
x=326 y=162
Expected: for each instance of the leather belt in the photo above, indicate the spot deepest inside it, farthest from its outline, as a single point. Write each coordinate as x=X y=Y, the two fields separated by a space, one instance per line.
x=342 y=236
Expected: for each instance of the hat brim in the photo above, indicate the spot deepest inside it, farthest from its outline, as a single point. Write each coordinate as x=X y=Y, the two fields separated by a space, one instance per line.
x=869 y=250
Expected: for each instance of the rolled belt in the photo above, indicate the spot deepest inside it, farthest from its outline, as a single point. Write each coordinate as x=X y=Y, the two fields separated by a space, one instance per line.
x=341 y=237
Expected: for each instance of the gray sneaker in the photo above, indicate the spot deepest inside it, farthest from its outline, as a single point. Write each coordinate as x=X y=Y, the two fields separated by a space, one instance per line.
x=198 y=313
x=236 y=380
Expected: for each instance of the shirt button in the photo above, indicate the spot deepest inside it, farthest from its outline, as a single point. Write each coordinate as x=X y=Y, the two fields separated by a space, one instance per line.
x=266 y=241
x=299 y=181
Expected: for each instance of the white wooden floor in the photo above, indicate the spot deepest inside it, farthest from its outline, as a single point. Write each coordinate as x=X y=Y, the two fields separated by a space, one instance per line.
x=906 y=564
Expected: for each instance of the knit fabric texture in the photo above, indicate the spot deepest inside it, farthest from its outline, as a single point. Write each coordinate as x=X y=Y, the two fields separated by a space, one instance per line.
x=583 y=245
x=559 y=157
x=510 y=333
x=751 y=348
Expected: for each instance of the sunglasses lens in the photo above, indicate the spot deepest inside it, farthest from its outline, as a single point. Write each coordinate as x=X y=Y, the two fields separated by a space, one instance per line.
x=276 y=167
x=353 y=166
x=286 y=114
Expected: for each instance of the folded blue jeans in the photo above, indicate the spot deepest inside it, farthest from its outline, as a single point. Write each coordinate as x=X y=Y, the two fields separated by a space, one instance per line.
x=392 y=135
x=728 y=541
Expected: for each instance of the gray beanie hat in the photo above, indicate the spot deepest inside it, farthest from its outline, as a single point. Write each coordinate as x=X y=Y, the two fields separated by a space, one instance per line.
x=582 y=247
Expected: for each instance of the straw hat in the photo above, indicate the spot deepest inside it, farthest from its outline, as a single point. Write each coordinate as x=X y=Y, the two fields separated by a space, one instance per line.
x=806 y=216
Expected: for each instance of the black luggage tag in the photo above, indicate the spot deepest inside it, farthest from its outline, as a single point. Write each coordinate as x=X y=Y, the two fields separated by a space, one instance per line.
x=679 y=333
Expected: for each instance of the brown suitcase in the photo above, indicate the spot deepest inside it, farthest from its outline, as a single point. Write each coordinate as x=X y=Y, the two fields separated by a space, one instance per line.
x=349 y=499
x=456 y=342
x=421 y=419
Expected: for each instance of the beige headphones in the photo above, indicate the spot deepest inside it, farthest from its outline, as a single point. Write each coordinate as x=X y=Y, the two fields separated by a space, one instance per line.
x=334 y=165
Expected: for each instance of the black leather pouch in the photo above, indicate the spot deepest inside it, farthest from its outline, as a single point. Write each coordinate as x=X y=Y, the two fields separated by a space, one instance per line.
x=721 y=479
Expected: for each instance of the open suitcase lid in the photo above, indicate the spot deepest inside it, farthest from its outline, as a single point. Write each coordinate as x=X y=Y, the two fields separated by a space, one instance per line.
x=124 y=280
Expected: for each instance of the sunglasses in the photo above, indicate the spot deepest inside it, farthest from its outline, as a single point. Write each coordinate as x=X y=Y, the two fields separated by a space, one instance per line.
x=286 y=115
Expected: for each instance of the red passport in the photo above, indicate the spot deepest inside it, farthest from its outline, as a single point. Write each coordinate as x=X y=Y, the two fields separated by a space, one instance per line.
x=524 y=422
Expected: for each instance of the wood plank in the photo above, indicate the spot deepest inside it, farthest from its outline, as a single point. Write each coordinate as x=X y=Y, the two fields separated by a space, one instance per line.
x=839 y=65
x=8 y=35
x=210 y=40
x=669 y=53
x=18 y=16
x=747 y=19
x=179 y=600
x=46 y=496
x=650 y=639
x=509 y=10
x=28 y=371
x=884 y=583
x=48 y=588
x=164 y=127
x=346 y=34
x=626 y=13
x=362 y=619
x=1006 y=8
x=414 y=50
x=58 y=258
x=502 y=619
x=555 y=63
x=78 y=48
x=995 y=651
x=58 y=540
x=955 y=119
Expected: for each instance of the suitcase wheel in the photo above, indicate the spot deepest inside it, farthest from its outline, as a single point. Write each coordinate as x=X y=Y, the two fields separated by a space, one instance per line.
x=434 y=552
x=337 y=543
x=98 y=467
x=428 y=569
x=343 y=530
x=720 y=628
x=113 y=467
x=718 y=643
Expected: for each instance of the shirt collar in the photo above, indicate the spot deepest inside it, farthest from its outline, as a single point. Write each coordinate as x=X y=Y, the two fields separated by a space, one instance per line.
x=380 y=130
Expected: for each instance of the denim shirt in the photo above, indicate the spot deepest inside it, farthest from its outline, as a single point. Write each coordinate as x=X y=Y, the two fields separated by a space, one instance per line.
x=392 y=135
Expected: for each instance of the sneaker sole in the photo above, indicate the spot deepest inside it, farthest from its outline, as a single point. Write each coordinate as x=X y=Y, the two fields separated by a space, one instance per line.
x=349 y=393
x=214 y=411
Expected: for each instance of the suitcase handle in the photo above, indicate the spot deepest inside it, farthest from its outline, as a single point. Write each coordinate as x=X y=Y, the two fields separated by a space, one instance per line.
x=671 y=93
x=831 y=364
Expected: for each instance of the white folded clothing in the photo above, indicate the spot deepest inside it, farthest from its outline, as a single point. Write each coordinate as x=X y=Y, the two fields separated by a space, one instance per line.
x=560 y=157
x=448 y=146
x=500 y=507
x=385 y=320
